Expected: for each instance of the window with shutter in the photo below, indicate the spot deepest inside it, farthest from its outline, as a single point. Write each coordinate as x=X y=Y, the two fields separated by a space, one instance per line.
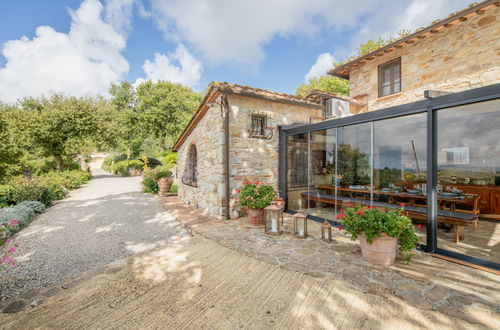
x=190 y=176
x=389 y=78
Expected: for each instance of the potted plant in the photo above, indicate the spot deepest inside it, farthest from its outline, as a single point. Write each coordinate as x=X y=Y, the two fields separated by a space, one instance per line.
x=164 y=179
x=255 y=197
x=379 y=232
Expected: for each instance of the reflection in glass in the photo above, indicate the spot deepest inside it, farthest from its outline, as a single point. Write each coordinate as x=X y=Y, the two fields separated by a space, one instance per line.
x=469 y=178
x=400 y=165
x=297 y=171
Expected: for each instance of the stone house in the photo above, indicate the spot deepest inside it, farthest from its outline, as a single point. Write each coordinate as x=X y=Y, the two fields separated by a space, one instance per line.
x=453 y=54
x=234 y=134
x=233 y=137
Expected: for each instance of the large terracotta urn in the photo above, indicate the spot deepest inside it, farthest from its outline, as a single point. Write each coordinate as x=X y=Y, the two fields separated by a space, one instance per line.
x=382 y=251
x=255 y=216
x=165 y=184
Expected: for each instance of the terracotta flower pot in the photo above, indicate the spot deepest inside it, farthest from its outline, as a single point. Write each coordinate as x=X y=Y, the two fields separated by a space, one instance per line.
x=256 y=216
x=165 y=184
x=382 y=251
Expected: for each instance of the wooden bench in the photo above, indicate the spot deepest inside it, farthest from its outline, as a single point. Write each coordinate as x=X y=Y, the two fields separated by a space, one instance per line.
x=458 y=220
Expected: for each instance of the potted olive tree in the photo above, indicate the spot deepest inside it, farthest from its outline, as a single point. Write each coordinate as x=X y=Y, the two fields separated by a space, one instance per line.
x=379 y=232
x=256 y=197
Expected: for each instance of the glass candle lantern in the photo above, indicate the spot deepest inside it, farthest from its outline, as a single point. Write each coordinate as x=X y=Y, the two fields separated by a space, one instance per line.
x=274 y=219
x=300 y=224
x=326 y=231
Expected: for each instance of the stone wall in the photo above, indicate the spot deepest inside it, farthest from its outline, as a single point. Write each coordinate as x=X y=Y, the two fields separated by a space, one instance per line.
x=256 y=159
x=461 y=57
x=208 y=138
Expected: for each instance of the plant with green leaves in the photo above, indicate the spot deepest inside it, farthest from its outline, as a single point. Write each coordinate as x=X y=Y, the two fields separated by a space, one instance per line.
x=165 y=108
x=257 y=196
x=373 y=222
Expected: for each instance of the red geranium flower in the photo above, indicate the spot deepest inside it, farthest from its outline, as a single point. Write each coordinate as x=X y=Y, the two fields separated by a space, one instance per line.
x=239 y=190
x=257 y=183
x=360 y=212
x=371 y=207
x=351 y=204
x=386 y=210
x=340 y=216
x=339 y=227
x=402 y=204
x=419 y=226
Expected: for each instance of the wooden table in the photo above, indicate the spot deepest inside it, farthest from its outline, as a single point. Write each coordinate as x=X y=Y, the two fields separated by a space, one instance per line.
x=392 y=195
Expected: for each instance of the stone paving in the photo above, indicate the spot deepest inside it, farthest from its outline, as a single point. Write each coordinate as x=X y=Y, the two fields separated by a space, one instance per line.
x=427 y=282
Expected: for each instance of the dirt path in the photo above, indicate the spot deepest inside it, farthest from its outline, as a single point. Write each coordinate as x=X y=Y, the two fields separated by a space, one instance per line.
x=106 y=220
x=194 y=283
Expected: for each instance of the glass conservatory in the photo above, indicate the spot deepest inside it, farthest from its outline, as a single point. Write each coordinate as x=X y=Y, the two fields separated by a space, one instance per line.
x=439 y=157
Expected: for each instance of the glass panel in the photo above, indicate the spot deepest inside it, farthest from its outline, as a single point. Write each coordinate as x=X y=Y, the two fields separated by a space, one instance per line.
x=469 y=179
x=322 y=174
x=297 y=159
x=400 y=166
x=354 y=164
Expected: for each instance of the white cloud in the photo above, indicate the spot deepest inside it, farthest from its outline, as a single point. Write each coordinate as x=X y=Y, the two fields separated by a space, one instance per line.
x=324 y=62
x=179 y=67
x=237 y=31
x=119 y=14
x=83 y=61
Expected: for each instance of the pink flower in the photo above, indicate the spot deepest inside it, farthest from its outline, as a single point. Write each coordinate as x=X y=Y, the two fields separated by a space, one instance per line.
x=13 y=223
x=14 y=264
x=7 y=259
x=360 y=212
x=8 y=241
x=13 y=249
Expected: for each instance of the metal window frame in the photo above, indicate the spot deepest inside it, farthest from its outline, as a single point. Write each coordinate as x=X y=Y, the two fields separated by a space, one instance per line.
x=430 y=107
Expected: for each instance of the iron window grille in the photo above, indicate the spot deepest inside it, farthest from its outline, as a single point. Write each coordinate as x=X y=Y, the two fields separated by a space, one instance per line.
x=259 y=126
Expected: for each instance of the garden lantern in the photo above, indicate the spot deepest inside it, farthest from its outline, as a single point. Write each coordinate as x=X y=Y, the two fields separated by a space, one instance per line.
x=326 y=231
x=274 y=219
x=300 y=224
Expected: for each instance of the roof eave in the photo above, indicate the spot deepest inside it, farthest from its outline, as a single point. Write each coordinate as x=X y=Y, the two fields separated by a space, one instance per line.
x=337 y=71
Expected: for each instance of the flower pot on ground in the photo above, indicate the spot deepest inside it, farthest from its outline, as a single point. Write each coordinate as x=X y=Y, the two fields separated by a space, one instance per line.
x=164 y=178
x=164 y=185
x=256 y=216
x=379 y=232
x=256 y=197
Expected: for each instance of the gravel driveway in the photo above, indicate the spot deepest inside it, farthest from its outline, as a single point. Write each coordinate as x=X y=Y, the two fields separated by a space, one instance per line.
x=106 y=220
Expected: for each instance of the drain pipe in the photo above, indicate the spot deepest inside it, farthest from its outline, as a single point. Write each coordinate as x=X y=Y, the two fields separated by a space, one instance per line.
x=225 y=106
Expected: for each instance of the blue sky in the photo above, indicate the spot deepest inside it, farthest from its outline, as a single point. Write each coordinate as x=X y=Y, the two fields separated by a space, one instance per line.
x=272 y=44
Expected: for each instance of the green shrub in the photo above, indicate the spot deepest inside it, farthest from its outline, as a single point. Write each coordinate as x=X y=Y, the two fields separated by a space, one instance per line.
x=6 y=197
x=31 y=190
x=36 y=206
x=124 y=166
x=20 y=213
x=150 y=185
x=169 y=159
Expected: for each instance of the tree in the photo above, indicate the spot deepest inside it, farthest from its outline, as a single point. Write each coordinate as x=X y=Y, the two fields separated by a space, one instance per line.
x=9 y=151
x=338 y=85
x=325 y=83
x=125 y=101
x=165 y=109
x=59 y=126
